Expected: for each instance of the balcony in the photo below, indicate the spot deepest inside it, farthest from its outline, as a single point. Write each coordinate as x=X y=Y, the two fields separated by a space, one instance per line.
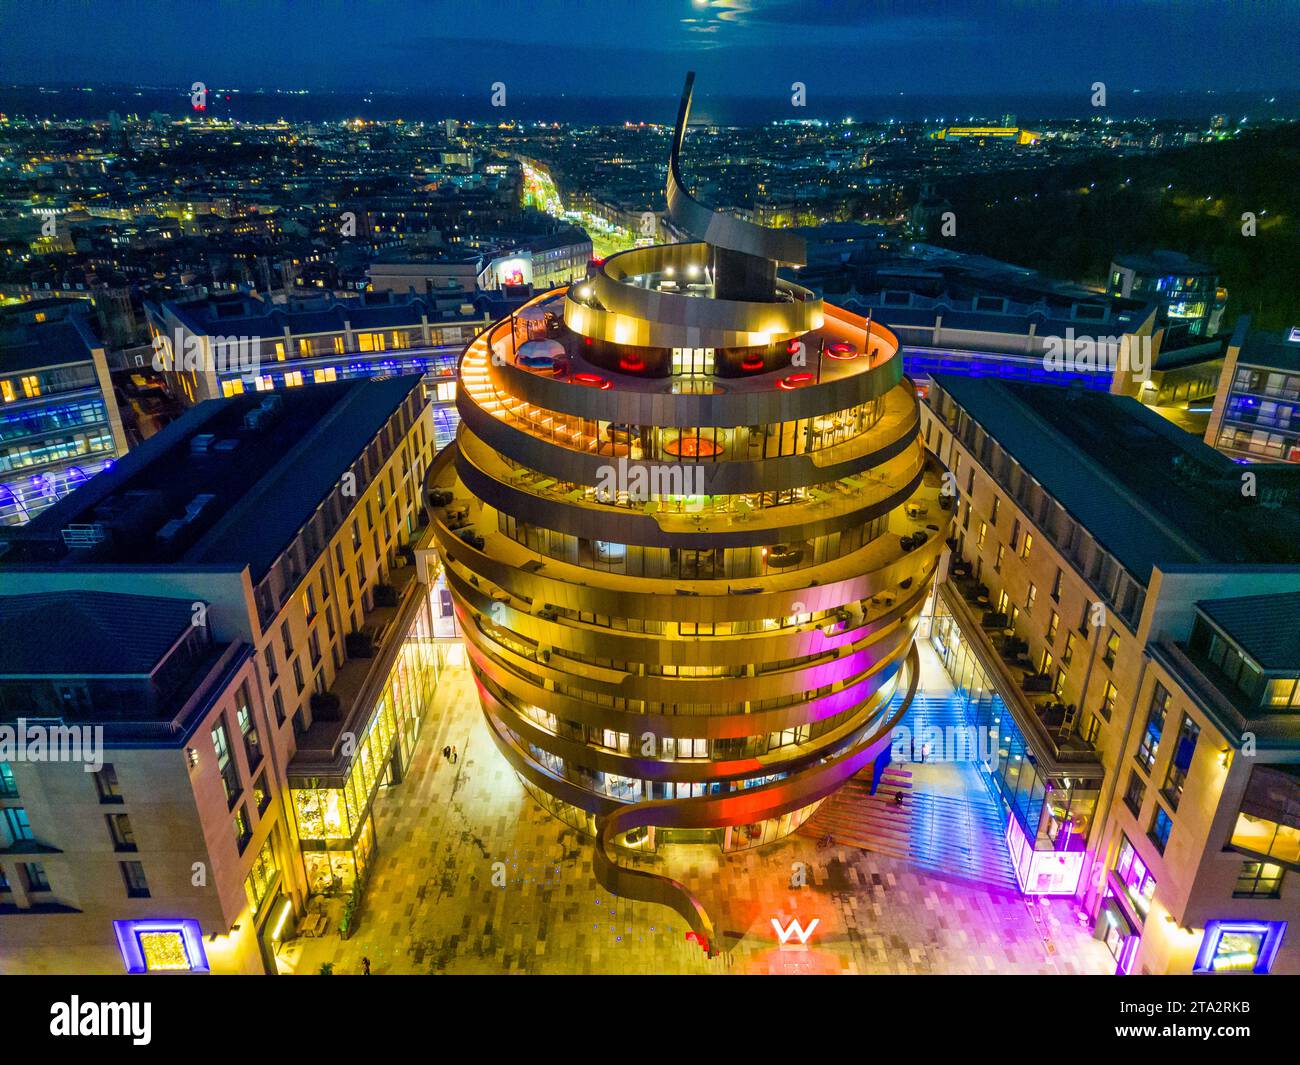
x=342 y=708
x=1048 y=724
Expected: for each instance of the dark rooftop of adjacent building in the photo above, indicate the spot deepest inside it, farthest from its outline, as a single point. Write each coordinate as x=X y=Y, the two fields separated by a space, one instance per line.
x=1162 y=261
x=222 y=486
x=247 y=315
x=85 y=633
x=1149 y=492
x=1266 y=627
x=64 y=337
x=1274 y=351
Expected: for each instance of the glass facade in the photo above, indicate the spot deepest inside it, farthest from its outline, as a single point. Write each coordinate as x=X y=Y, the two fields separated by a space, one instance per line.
x=1049 y=817
x=333 y=817
x=261 y=877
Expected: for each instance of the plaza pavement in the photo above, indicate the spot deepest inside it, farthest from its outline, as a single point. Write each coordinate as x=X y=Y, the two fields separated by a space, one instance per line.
x=431 y=907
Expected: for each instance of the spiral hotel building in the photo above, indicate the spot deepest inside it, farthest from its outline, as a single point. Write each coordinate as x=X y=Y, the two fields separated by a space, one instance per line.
x=688 y=526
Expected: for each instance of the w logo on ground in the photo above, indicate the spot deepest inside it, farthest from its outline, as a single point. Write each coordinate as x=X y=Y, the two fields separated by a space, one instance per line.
x=794 y=928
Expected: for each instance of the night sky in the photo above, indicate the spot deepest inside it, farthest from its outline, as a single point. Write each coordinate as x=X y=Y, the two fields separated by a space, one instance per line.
x=635 y=47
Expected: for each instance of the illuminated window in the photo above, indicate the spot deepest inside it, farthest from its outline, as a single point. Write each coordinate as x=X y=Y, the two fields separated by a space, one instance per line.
x=31 y=387
x=260 y=878
x=279 y=350
x=1025 y=547
x=161 y=946
x=232 y=388
x=1239 y=946
x=164 y=952
x=1139 y=884
x=293 y=379
x=1258 y=880
x=328 y=373
x=1112 y=649
x=1282 y=692
x=7 y=391
x=1052 y=626
x=1161 y=825
x=1146 y=754
x=1108 y=696
x=1262 y=836
x=979 y=540
x=1184 y=748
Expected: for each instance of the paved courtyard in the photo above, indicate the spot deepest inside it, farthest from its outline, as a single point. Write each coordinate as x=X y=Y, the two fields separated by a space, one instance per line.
x=431 y=907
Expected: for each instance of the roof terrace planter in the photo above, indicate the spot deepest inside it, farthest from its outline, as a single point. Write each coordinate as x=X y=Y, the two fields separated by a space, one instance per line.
x=359 y=645
x=326 y=706
x=1011 y=647
x=1037 y=682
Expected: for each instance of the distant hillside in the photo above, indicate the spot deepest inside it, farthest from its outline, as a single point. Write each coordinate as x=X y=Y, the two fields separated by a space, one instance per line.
x=1068 y=221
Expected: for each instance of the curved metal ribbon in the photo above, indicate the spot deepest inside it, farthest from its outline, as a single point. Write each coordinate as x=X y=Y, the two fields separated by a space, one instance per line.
x=705 y=812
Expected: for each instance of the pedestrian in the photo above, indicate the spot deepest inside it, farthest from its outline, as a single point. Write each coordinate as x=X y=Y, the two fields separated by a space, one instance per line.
x=365 y=966
x=898 y=799
x=454 y=755
x=446 y=752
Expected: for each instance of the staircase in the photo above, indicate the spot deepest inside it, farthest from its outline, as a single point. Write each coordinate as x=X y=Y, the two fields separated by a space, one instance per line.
x=948 y=821
x=928 y=712
x=856 y=818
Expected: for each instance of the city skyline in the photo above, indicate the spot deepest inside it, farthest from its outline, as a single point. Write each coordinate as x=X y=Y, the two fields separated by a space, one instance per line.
x=715 y=530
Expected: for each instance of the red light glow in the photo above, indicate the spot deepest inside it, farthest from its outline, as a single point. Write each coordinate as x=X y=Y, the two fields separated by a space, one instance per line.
x=591 y=380
x=795 y=380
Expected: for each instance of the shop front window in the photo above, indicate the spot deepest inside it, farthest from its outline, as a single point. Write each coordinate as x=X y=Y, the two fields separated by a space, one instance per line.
x=1136 y=879
x=322 y=813
x=257 y=885
x=330 y=872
